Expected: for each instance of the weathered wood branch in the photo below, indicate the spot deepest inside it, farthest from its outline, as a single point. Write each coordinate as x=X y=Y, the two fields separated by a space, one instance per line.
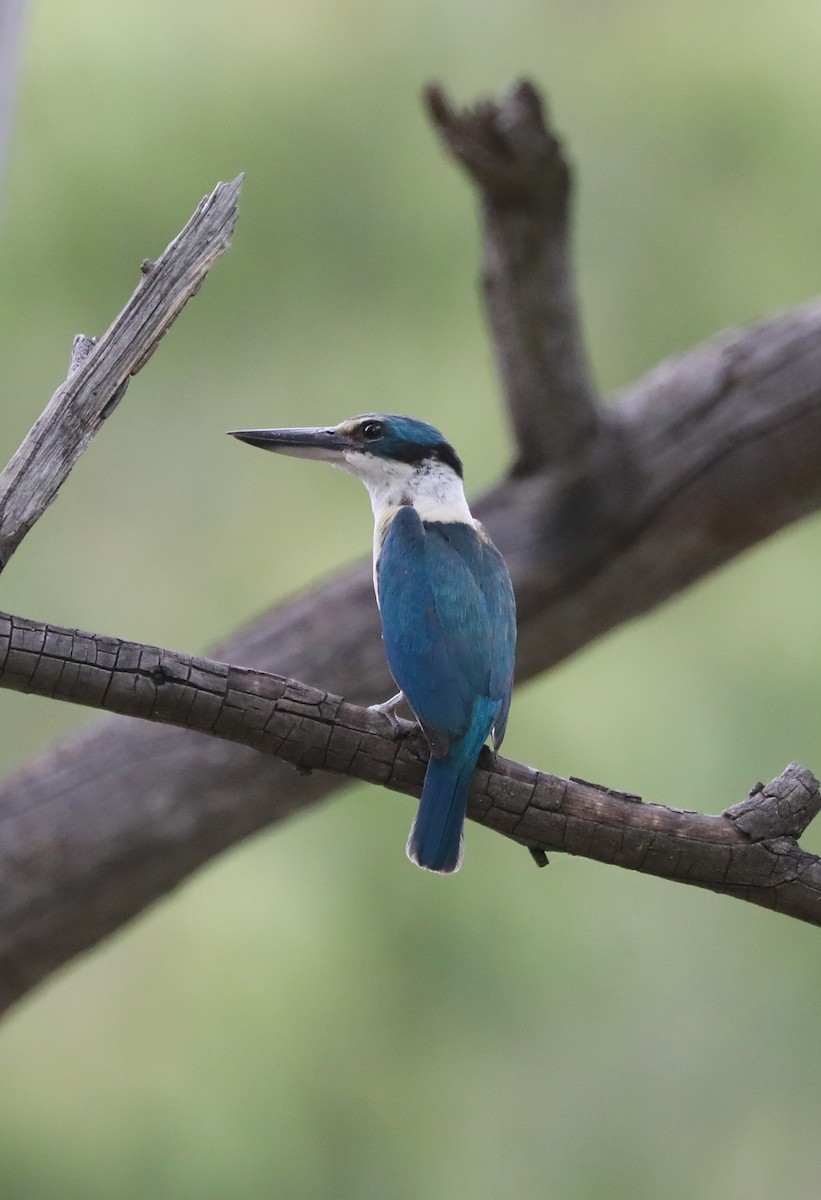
x=100 y=371
x=523 y=181
x=710 y=453
x=750 y=851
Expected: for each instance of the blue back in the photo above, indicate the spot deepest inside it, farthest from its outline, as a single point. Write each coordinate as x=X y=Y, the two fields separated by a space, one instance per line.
x=448 y=622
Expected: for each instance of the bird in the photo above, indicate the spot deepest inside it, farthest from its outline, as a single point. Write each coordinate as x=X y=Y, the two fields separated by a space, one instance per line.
x=445 y=600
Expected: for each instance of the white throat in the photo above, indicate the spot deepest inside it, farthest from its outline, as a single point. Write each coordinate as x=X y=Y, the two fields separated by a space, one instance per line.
x=433 y=488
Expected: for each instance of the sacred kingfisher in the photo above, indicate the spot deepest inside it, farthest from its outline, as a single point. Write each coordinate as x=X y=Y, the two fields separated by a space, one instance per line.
x=445 y=599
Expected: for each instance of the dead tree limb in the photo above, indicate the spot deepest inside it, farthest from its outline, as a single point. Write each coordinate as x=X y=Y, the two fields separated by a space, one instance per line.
x=750 y=851
x=100 y=370
x=524 y=185
x=710 y=453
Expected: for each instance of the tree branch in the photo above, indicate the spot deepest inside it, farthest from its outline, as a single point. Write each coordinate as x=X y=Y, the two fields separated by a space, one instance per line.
x=710 y=453
x=138 y=807
x=524 y=185
x=99 y=373
x=750 y=851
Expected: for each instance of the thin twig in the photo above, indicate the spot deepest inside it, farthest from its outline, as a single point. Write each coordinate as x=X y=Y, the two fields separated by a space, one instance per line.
x=99 y=374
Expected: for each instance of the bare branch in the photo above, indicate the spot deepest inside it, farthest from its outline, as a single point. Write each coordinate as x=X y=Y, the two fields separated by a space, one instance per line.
x=524 y=184
x=98 y=376
x=710 y=453
x=749 y=852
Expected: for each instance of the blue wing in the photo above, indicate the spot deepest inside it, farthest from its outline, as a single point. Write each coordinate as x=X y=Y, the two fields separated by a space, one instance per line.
x=448 y=622
x=498 y=591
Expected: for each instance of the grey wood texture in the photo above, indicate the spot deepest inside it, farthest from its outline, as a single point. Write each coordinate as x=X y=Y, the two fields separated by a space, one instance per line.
x=610 y=508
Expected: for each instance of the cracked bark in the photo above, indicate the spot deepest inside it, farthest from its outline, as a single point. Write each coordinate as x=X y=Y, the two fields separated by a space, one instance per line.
x=708 y=454
x=750 y=851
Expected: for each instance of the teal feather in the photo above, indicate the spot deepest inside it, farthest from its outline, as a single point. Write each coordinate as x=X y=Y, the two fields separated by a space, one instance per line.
x=448 y=623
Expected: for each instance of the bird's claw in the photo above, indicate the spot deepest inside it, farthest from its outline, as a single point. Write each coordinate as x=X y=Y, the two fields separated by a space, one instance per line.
x=388 y=709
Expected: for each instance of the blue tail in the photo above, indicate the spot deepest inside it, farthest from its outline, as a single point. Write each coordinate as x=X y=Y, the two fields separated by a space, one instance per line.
x=436 y=840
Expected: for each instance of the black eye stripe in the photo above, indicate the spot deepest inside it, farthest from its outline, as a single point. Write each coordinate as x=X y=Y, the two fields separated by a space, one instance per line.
x=413 y=454
x=402 y=449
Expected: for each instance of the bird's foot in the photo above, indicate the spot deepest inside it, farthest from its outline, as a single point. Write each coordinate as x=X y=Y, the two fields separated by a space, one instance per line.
x=388 y=709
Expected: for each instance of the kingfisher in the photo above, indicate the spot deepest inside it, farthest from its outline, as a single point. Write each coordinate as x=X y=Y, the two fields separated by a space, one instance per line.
x=445 y=600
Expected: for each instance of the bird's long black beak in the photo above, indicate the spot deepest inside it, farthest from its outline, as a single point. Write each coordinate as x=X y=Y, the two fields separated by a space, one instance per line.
x=328 y=445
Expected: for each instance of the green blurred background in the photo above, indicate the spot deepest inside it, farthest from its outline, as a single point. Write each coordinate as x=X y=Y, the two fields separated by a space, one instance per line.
x=311 y=1017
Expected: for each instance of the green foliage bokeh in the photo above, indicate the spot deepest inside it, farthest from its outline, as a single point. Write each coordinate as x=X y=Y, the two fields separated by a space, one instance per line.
x=311 y=1017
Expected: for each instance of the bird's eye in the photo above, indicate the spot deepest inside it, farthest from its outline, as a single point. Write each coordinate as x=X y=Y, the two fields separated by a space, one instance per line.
x=372 y=430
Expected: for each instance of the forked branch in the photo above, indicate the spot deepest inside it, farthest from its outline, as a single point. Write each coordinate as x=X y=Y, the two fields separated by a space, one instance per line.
x=611 y=510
